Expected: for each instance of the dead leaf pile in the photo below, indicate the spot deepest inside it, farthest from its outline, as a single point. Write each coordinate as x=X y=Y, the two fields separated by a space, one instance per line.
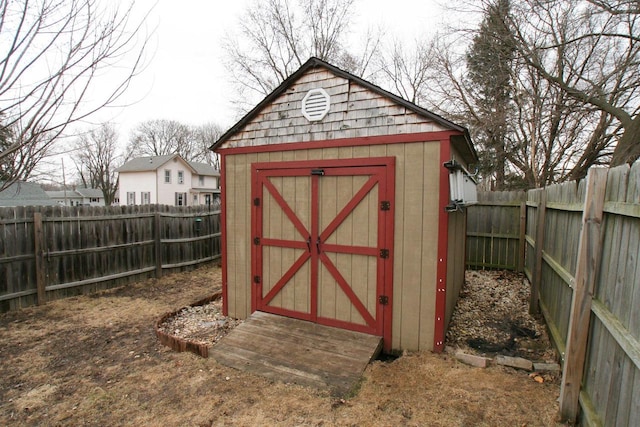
x=492 y=318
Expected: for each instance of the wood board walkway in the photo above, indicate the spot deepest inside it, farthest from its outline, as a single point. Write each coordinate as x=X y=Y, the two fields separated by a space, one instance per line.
x=296 y=351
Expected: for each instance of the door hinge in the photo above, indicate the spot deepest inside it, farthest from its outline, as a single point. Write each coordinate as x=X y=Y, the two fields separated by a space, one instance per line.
x=383 y=299
x=256 y=201
x=385 y=205
x=256 y=240
x=256 y=279
x=384 y=253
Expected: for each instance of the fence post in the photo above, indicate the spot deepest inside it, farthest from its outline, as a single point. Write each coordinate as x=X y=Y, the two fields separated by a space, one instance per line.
x=158 y=243
x=523 y=231
x=534 y=306
x=588 y=260
x=39 y=253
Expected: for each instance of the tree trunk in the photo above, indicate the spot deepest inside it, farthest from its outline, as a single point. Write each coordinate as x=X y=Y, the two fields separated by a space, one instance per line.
x=628 y=148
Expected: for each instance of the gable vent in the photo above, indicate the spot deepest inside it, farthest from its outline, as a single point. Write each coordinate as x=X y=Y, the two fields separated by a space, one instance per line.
x=315 y=104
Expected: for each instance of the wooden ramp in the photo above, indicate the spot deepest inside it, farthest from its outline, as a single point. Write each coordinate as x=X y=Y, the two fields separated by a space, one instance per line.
x=296 y=351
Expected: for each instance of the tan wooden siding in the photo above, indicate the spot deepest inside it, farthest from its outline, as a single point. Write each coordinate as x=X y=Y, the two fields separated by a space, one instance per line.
x=355 y=112
x=415 y=243
x=455 y=261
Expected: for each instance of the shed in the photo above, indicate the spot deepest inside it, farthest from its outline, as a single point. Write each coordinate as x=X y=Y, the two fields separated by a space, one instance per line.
x=337 y=209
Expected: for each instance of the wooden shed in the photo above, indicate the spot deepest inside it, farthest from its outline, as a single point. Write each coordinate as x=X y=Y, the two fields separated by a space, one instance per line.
x=336 y=209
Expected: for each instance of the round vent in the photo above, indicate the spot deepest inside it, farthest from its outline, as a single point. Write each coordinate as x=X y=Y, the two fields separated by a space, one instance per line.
x=315 y=104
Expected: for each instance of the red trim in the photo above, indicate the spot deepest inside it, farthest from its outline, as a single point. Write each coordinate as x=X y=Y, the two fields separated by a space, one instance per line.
x=256 y=231
x=346 y=142
x=290 y=313
x=301 y=167
x=346 y=288
x=304 y=233
x=223 y=234
x=302 y=259
x=315 y=245
x=349 y=207
x=346 y=325
x=386 y=237
x=382 y=172
x=443 y=245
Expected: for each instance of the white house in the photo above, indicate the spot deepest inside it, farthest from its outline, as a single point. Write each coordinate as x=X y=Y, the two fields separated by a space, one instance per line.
x=168 y=180
x=78 y=197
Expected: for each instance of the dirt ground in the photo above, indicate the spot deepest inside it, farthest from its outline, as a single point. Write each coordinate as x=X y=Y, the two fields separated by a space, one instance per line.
x=94 y=360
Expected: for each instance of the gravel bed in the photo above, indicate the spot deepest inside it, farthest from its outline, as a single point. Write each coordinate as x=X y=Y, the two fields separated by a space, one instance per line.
x=201 y=324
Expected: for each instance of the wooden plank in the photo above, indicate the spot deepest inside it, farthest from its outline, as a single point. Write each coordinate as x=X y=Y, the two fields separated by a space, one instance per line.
x=521 y=240
x=539 y=245
x=296 y=351
x=587 y=263
x=39 y=245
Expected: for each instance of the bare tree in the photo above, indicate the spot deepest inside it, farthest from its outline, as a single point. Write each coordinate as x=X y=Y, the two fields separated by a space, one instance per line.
x=53 y=53
x=96 y=158
x=589 y=50
x=204 y=137
x=160 y=138
x=407 y=69
x=278 y=36
x=163 y=137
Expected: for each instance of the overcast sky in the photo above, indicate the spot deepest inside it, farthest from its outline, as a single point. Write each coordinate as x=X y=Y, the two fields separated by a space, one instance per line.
x=186 y=79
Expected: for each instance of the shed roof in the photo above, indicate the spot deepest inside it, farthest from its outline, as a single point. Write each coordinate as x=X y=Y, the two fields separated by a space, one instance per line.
x=464 y=142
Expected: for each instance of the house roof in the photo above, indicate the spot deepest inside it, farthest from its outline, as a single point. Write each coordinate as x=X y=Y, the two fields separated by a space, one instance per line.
x=145 y=163
x=69 y=194
x=315 y=62
x=25 y=194
x=78 y=193
x=152 y=163
x=204 y=168
x=90 y=192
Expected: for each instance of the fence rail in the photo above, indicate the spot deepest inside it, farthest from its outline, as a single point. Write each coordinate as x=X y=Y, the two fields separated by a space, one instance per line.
x=582 y=247
x=53 y=252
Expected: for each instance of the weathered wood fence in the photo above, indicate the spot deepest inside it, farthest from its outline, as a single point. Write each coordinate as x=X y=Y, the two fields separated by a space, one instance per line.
x=496 y=231
x=582 y=252
x=53 y=252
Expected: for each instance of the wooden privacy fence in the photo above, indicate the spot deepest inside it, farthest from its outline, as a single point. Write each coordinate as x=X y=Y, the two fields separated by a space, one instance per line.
x=496 y=231
x=582 y=259
x=52 y=252
x=582 y=247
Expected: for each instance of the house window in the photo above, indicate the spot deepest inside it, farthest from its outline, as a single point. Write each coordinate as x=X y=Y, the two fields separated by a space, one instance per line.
x=207 y=199
x=93 y=200
x=145 y=197
x=180 y=177
x=167 y=176
x=181 y=199
x=201 y=181
x=131 y=198
x=195 y=199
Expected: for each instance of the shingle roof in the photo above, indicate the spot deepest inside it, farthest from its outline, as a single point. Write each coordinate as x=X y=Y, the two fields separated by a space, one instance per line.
x=204 y=168
x=145 y=163
x=90 y=192
x=25 y=194
x=315 y=62
x=151 y=163
x=69 y=194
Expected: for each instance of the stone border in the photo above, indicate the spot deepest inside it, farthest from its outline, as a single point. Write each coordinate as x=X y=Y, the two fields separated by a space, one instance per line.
x=180 y=344
x=512 y=362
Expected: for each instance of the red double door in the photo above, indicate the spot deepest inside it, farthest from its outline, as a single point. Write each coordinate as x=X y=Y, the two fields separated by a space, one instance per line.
x=322 y=242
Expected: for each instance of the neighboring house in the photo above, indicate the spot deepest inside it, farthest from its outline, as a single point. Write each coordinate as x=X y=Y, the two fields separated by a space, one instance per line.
x=25 y=194
x=78 y=197
x=168 y=180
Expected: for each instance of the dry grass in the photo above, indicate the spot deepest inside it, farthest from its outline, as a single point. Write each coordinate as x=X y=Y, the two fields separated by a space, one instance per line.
x=94 y=360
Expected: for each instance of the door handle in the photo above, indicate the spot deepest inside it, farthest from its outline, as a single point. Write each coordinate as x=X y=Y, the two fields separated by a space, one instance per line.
x=318 y=245
x=309 y=244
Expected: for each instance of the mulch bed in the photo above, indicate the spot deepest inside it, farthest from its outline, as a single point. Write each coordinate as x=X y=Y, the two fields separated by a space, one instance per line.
x=492 y=318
